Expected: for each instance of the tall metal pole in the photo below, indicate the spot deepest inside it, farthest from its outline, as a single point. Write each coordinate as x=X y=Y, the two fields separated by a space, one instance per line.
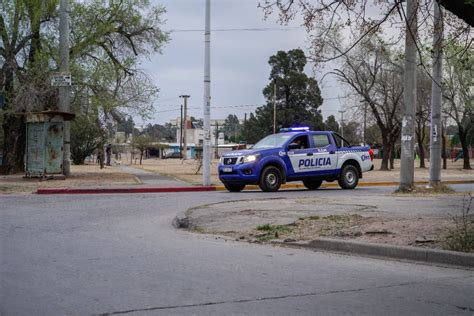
x=274 y=108
x=407 y=168
x=206 y=175
x=185 y=134
x=436 y=128
x=342 y=125
x=64 y=91
x=365 y=123
x=181 y=135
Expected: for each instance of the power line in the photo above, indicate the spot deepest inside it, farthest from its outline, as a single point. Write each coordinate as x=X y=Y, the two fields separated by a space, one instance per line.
x=255 y=29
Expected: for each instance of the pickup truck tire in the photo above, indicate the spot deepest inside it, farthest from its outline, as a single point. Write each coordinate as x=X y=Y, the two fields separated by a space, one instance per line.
x=234 y=187
x=312 y=184
x=270 y=180
x=349 y=177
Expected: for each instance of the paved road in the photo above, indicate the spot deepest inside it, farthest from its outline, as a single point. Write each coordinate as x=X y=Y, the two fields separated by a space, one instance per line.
x=118 y=254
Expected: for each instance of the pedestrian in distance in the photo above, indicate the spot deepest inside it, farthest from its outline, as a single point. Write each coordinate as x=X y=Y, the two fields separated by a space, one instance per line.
x=100 y=157
x=108 y=154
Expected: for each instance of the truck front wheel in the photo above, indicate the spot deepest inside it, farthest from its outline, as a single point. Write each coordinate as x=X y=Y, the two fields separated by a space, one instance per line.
x=270 y=180
x=312 y=184
x=234 y=187
x=349 y=177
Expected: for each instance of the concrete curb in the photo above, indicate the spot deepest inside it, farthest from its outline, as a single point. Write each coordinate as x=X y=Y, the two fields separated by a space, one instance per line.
x=124 y=190
x=389 y=251
x=199 y=188
x=335 y=185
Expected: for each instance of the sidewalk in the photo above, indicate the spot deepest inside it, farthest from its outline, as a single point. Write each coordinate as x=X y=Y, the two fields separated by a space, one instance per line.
x=175 y=173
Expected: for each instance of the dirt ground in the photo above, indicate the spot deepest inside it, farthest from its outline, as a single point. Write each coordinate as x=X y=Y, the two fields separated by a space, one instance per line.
x=189 y=171
x=424 y=221
x=88 y=175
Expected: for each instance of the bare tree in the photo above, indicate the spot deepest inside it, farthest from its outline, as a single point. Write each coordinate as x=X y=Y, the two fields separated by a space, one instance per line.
x=458 y=94
x=423 y=96
x=370 y=73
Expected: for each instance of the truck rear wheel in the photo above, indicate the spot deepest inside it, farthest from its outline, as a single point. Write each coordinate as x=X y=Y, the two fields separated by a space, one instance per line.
x=270 y=180
x=349 y=177
x=312 y=184
x=234 y=187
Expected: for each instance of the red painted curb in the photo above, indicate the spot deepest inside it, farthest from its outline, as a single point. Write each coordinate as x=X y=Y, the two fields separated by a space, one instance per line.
x=124 y=190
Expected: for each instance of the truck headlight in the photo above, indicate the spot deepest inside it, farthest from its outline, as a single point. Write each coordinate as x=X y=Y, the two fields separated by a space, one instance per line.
x=249 y=158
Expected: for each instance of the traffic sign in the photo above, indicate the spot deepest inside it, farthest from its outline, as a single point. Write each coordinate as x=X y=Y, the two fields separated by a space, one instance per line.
x=61 y=80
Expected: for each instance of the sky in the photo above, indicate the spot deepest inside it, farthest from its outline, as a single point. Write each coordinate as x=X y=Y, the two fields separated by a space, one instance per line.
x=239 y=59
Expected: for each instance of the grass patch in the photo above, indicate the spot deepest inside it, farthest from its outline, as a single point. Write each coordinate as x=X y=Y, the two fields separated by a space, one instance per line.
x=271 y=231
x=461 y=237
x=425 y=190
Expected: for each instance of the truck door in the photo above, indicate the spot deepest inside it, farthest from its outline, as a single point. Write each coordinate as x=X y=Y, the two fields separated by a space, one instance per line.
x=324 y=154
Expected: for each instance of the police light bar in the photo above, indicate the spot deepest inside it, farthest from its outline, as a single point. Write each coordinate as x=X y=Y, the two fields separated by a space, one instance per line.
x=294 y=129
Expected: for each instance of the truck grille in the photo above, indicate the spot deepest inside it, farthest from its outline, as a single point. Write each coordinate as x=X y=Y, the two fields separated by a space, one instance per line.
x=230 y=161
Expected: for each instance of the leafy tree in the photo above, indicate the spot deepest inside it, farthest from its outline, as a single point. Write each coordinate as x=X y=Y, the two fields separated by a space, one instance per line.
x=331 y=124
x=87 y=135
x=298 y=97
x=107 y=40
x=352 y=133
x=159 y=132
x=142 y=143
x=232 y=128
x=126 y=126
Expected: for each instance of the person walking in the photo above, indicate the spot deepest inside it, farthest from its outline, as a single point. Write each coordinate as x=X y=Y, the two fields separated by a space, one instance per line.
x=108 y=154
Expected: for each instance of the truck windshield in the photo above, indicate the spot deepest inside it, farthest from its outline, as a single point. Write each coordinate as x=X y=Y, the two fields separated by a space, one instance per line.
x=272 y=141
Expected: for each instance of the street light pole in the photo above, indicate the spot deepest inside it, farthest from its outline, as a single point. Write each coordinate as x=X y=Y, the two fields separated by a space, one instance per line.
x=185 y=140
x=206 y=163
x=64 y=91
x=342 y=125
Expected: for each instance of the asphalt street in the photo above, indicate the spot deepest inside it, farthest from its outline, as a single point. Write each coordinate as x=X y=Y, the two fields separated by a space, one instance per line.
x=119 y=255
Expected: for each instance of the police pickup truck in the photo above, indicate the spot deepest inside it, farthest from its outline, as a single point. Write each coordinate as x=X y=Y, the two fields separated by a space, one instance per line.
x=296 y=154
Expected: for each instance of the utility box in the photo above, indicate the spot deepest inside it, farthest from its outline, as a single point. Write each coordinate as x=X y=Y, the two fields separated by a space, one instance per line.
x=44 y=143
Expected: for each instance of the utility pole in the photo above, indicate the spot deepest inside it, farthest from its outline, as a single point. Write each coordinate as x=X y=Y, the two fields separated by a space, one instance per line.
x=64 y=91
x=185 y=140
x=407 y=168
x=216 y=140
x=181 y=135
x=445 y=135
x=436 y=94
x=274 y=107
x=206 y=163
x=342 y=125
x=365 y=123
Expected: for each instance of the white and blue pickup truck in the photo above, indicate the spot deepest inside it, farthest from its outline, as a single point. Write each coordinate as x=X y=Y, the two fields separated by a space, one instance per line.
x=296 y=154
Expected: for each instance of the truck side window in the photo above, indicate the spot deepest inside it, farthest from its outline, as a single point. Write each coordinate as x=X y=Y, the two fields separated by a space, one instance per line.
x=300 y=142
x=320 y=140
x=340 y=141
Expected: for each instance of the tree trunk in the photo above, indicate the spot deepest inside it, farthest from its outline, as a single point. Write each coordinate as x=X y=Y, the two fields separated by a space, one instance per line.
x=385 y=154
x=392 y=157
x=421 y=149
x=14 y=129
x=465 y=150
x=141 y=157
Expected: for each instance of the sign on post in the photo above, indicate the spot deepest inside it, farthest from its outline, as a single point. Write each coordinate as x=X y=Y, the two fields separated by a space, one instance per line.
x=61 y=80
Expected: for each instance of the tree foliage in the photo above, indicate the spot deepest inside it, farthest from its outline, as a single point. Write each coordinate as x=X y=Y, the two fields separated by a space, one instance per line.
x=107 y=40
x=87 y=135
x=331 y=124
x=298 y=97
x=232 y=128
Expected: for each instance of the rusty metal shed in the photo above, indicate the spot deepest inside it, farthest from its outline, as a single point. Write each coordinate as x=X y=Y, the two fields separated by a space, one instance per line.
x=44 y=143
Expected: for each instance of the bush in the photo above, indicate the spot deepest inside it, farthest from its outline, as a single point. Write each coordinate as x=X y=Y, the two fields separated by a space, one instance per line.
x=87 y=135
x=461 y=237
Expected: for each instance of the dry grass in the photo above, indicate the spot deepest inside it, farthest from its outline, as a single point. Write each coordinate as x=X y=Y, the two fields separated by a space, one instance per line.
x=81 y=176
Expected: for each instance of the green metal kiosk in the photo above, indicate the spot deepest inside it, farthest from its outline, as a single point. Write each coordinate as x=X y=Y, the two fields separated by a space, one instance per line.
x=44 y=143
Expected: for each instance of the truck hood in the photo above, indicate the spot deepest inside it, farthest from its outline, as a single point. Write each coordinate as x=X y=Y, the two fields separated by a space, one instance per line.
x=248 y=152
